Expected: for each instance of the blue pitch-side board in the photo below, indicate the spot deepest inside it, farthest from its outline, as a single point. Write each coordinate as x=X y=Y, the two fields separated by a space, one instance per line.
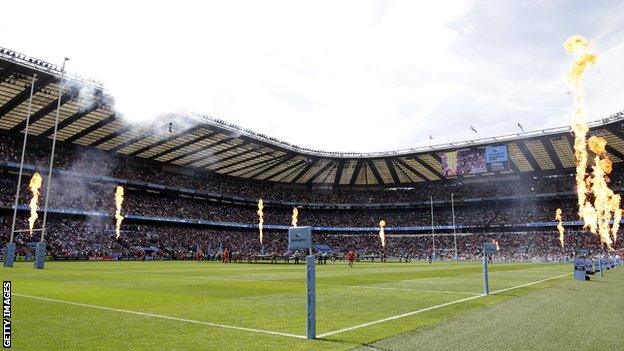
x=299 y=238
x=579 y=269
x=489 y=248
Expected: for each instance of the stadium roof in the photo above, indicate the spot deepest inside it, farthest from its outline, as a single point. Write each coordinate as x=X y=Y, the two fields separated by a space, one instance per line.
x=88 y=119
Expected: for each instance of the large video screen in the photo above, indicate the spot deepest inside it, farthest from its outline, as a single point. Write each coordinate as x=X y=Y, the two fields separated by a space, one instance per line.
x=475 y=161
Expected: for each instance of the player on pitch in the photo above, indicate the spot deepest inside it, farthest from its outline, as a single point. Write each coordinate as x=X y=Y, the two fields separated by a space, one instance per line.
x=351 y=257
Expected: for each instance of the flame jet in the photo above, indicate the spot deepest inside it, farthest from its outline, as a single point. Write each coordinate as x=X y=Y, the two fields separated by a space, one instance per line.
x=295 y=217
x=597 y=204
x=579 y=46
x=606 y=206
x=496 y=243
x=382 y=233
x=559 y=218
x=119 y=198
x=34 y=186
x=260 y=213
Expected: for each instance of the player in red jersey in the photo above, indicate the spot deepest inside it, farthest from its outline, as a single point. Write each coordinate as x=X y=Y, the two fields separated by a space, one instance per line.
x=351 y=257
x=226 y=256
x=199 y=255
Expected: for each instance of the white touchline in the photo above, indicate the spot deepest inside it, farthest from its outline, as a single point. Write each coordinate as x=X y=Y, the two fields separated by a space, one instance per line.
x=146 y=314
x=433 y=308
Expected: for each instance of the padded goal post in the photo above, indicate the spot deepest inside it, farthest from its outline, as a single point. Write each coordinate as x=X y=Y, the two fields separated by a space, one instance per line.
x=300 y=238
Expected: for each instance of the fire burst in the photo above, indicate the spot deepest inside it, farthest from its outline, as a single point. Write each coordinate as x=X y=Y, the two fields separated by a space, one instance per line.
x=559 y=218
x=119 y=198
x=34 y=186
x=597 y=204
x=260 y=217
x=295 y=217
x=382 y=233
x=496 y=243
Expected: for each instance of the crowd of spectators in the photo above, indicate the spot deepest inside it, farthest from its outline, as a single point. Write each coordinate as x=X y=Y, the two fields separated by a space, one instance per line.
x=71 y=193
x=84 y=238
x=97 y=162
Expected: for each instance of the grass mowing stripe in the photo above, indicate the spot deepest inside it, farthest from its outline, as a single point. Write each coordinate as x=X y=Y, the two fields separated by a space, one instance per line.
x=407 y=289
x=434 y=307
x=335 y=285
x=146 y=314
x=529 y=284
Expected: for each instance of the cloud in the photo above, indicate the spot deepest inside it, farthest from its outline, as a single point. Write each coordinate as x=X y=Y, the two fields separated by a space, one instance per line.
x=341 y=76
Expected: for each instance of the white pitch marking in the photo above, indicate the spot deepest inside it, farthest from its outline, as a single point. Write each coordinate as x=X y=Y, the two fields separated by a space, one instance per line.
x=433 y=308
x=146 y=314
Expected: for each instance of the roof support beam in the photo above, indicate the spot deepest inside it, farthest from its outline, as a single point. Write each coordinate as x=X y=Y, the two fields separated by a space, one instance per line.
x=203 y=148
x=111 y=136
x=356 y=171
x=305 y=170
x=550 y=150
x=91 y=129
x=249 y=158
x=270 y=173
x=615 y=152
x=165 y=140
x=339 y=170
x=405 y=174
x=183 y=145
x=263 y=168
x=375 y=172
x=219 y=152
x=73 y=118
x=436 y=156
x=513 y=167
x=326 y=179
x=428 y=167
x=616 y=130
x=44 y=111
x=292 y=170
x=131 y=141
x=25 y=94
x=227 y=158
x=321 y=171
x=411 y=169
x=528 y=155
x=393 y=172
x=251 y=165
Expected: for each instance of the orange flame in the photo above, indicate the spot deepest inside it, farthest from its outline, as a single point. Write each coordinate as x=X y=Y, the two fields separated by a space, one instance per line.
x=559 y=218
x=34 y=186
x=579 y=46
x=295 y=216
x=260 y=217
x=597 y=204
x=382 y=233
x=496 y=243
x=119 y=198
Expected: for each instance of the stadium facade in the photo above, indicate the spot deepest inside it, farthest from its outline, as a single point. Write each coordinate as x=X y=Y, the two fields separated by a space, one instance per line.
x=178 y=162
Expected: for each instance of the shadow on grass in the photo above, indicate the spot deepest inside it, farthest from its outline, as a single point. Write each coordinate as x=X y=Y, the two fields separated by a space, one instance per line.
x=357 y=345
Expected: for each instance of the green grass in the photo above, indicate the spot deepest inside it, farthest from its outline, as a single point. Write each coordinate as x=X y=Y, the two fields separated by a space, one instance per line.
x=272 y=298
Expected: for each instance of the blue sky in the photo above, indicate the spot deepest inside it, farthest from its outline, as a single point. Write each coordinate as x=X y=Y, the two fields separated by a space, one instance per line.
x=335 y=75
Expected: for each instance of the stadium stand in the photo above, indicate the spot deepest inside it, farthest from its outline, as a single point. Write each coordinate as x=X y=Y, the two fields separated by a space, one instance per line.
x=193 y=185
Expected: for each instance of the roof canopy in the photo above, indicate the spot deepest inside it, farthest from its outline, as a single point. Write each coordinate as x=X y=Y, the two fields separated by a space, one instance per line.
x=88 y=119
